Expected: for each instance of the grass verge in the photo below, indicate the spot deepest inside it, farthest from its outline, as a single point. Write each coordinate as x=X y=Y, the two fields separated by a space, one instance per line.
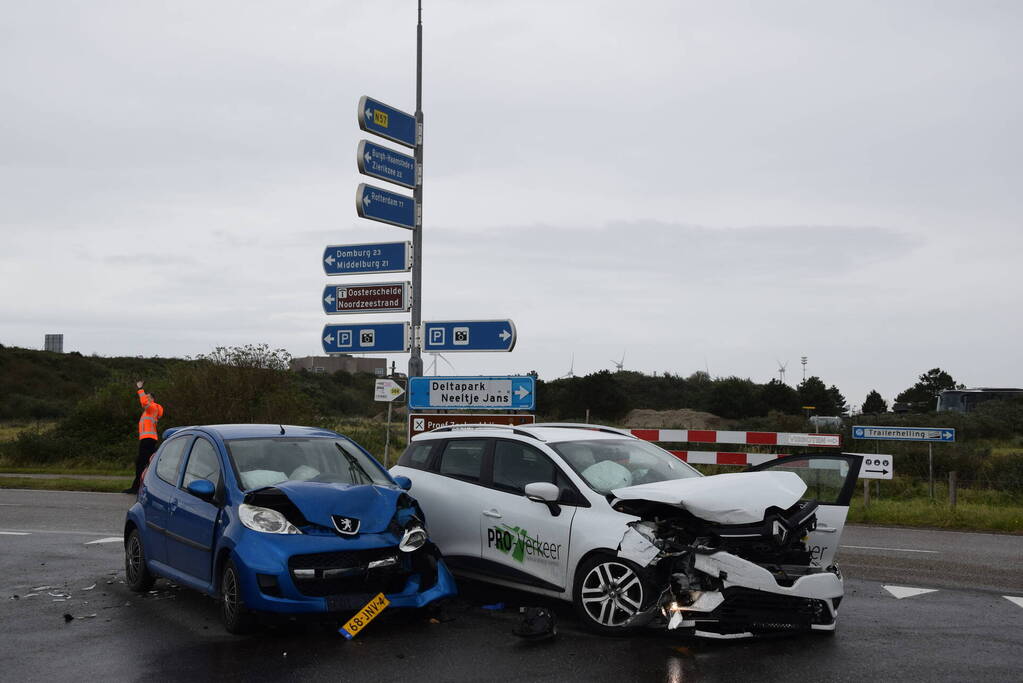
x=966 y=516
x=66 y=484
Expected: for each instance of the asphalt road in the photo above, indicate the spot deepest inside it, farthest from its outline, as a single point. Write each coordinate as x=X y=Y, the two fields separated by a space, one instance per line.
x=964 y=629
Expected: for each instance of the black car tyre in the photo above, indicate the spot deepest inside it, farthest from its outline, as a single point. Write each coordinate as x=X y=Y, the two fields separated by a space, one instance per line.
x=136 y=573
x=237 y=618
x=608 y=591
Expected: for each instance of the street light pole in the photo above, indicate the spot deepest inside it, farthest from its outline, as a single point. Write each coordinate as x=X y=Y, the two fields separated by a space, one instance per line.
x=415 y=361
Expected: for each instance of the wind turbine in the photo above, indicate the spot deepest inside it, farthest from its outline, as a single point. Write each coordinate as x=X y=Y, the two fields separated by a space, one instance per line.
x=433 y=365
x=571 y=369
x=781 y=370
x=619 y=364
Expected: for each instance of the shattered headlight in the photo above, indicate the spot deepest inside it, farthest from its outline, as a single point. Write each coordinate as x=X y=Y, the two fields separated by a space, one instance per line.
x=414 y=539
x=266 y=520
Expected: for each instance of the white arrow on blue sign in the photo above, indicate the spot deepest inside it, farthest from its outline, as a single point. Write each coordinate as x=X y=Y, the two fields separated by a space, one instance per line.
x=386 y=121
x=385 y=206
x=366 y=338
x=469 y=393
x=378 y=257
x=468 y=335
x=386 y=164
x=931 y=434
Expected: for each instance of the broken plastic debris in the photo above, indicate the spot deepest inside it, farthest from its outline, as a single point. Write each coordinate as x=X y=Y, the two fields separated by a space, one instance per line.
x=434 y=620
x=42 y=588
x=15 y=597
x=89 y=588
x=496 y=606
x=59 y=600
x=676 y=621
x=86 y=616
x=29 y=595
x=636 y=547
x=538 y=623
x=68 y=618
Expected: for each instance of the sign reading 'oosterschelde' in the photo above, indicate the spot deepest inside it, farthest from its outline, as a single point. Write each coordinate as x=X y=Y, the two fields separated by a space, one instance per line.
x=378 y=297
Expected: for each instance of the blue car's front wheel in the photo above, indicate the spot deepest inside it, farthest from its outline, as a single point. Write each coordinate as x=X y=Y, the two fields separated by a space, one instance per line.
x=236 y=616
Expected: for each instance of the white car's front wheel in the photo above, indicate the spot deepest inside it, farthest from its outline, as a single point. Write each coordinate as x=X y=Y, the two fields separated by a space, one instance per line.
x=608 y=592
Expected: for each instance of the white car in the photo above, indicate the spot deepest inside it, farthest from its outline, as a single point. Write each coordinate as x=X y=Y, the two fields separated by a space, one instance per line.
x=633 y=535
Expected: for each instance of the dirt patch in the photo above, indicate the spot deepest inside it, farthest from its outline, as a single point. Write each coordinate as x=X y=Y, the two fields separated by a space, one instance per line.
x=674 y=419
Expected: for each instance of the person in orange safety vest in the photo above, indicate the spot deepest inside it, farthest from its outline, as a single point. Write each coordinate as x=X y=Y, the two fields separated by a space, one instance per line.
x=149 y=437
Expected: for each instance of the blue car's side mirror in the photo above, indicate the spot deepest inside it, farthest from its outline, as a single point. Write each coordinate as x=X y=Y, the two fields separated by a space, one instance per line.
x=201 y=488
x=403 y=482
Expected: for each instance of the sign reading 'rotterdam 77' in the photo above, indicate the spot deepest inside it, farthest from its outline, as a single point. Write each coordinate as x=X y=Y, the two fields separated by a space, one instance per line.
x=378 y=297
x=385 y=206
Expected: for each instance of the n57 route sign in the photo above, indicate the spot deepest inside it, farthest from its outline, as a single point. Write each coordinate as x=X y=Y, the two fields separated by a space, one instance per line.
x=387 y=122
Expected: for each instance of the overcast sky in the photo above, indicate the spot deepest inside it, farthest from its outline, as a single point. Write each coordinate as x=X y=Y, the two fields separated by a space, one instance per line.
x=709 y=185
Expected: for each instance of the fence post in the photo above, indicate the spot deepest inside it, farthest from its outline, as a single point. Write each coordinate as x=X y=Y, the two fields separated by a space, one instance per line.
x=952 y=489
x=866 y=493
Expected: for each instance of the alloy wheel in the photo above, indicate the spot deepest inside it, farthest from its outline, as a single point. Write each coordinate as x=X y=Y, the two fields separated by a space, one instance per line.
x=612 y=593
x=134 y=567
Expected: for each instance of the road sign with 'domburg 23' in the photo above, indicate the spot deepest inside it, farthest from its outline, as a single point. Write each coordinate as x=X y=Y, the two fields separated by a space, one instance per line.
x=386 y=121
x=375 y=257
x=378 y=297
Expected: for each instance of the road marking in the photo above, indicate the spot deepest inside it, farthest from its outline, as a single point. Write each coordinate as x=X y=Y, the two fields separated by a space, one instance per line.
x=1014 y=600
x=898 y=550
x=908 y=591
x=23 y=532
x=14 y=533
x=108 y=539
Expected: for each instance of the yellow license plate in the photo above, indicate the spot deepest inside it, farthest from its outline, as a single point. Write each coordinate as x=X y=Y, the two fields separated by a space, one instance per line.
x=370 y=611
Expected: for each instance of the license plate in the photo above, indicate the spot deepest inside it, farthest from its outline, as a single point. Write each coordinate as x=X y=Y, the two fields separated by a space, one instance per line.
x=370 y=611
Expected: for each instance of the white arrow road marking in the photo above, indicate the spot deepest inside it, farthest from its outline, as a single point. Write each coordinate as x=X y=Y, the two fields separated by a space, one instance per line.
x=907 y=591
x=505 y=335
x=14 y=533
x=898 y=550
x=522 y=392
x=1014 y=600
x=108 y=539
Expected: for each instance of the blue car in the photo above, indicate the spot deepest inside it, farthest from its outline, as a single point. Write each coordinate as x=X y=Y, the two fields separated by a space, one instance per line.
x=279 y=519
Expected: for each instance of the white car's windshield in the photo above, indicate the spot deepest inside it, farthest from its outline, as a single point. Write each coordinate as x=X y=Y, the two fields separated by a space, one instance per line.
x=607 y=464
x=265 y=462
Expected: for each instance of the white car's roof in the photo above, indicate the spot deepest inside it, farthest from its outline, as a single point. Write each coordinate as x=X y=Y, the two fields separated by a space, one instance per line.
x=541 y=432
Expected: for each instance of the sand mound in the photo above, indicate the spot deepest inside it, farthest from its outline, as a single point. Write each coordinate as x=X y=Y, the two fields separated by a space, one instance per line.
x=674 y=419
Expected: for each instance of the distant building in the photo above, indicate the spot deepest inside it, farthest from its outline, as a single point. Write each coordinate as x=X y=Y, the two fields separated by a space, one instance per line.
x=54 y=342
x=332 y=364
x=965 y=400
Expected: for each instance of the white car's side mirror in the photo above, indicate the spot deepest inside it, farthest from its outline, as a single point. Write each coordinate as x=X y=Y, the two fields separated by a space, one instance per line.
x=542 y=492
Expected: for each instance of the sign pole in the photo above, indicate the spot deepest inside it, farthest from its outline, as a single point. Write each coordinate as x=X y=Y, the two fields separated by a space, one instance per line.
x=930 y=468
x=387 y=435
x=415 y=361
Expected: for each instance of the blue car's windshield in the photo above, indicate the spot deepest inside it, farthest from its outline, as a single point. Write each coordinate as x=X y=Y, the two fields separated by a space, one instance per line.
x=265 y=462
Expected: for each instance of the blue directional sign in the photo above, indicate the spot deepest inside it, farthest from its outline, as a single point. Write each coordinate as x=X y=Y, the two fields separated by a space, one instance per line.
x=384 y=206
x=386 y=121
x=932 y=434
x=366 y=338
x=386 y=164
x=468 y=393
x=380 y=257
x=468 y=335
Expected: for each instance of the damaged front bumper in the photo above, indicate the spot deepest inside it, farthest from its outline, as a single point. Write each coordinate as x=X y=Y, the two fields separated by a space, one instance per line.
x=714 y=593
x=309 y=575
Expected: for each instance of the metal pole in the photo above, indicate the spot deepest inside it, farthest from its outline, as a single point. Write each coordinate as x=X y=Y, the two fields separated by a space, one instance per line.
x=866 y=493
x=415 y=361
x=953 y=486
x=387 y=435
x=930 y=468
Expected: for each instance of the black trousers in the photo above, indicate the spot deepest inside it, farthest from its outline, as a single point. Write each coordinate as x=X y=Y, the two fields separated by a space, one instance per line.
x=146 y=449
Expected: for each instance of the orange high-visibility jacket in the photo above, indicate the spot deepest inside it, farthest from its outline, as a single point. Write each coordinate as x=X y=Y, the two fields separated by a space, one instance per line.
x=151 y=412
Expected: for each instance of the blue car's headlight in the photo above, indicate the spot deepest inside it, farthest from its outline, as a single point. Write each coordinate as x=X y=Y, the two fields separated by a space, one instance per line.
x=266 y=520
x=413 y=539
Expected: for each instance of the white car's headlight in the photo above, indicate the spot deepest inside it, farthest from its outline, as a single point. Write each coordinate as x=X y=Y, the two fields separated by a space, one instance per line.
x=266 y=520
x=413 y=539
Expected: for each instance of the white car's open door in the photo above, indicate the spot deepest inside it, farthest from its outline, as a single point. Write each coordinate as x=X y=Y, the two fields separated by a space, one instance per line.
x=830 y=480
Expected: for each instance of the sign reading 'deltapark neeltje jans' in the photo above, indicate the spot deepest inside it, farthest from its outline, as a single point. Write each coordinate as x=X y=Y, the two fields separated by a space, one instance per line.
x=931 y=434
x=511 y=393
x=377 y=297
x=374 y=257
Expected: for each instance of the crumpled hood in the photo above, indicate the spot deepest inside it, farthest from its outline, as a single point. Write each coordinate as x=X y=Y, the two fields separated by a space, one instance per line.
x=373 y=506
x=740 y=498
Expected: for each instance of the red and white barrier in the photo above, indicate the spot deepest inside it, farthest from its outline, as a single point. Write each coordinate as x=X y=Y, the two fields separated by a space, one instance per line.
x=749 y=438
x=723 y=458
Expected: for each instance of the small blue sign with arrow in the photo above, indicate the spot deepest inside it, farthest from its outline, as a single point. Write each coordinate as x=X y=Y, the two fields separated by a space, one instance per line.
x=468 y=393
x=366 y=338
x=468 y=335
x=384 y=206
x=931 y=434
x=387 y=122
x=378 y=257
x=386 y=164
